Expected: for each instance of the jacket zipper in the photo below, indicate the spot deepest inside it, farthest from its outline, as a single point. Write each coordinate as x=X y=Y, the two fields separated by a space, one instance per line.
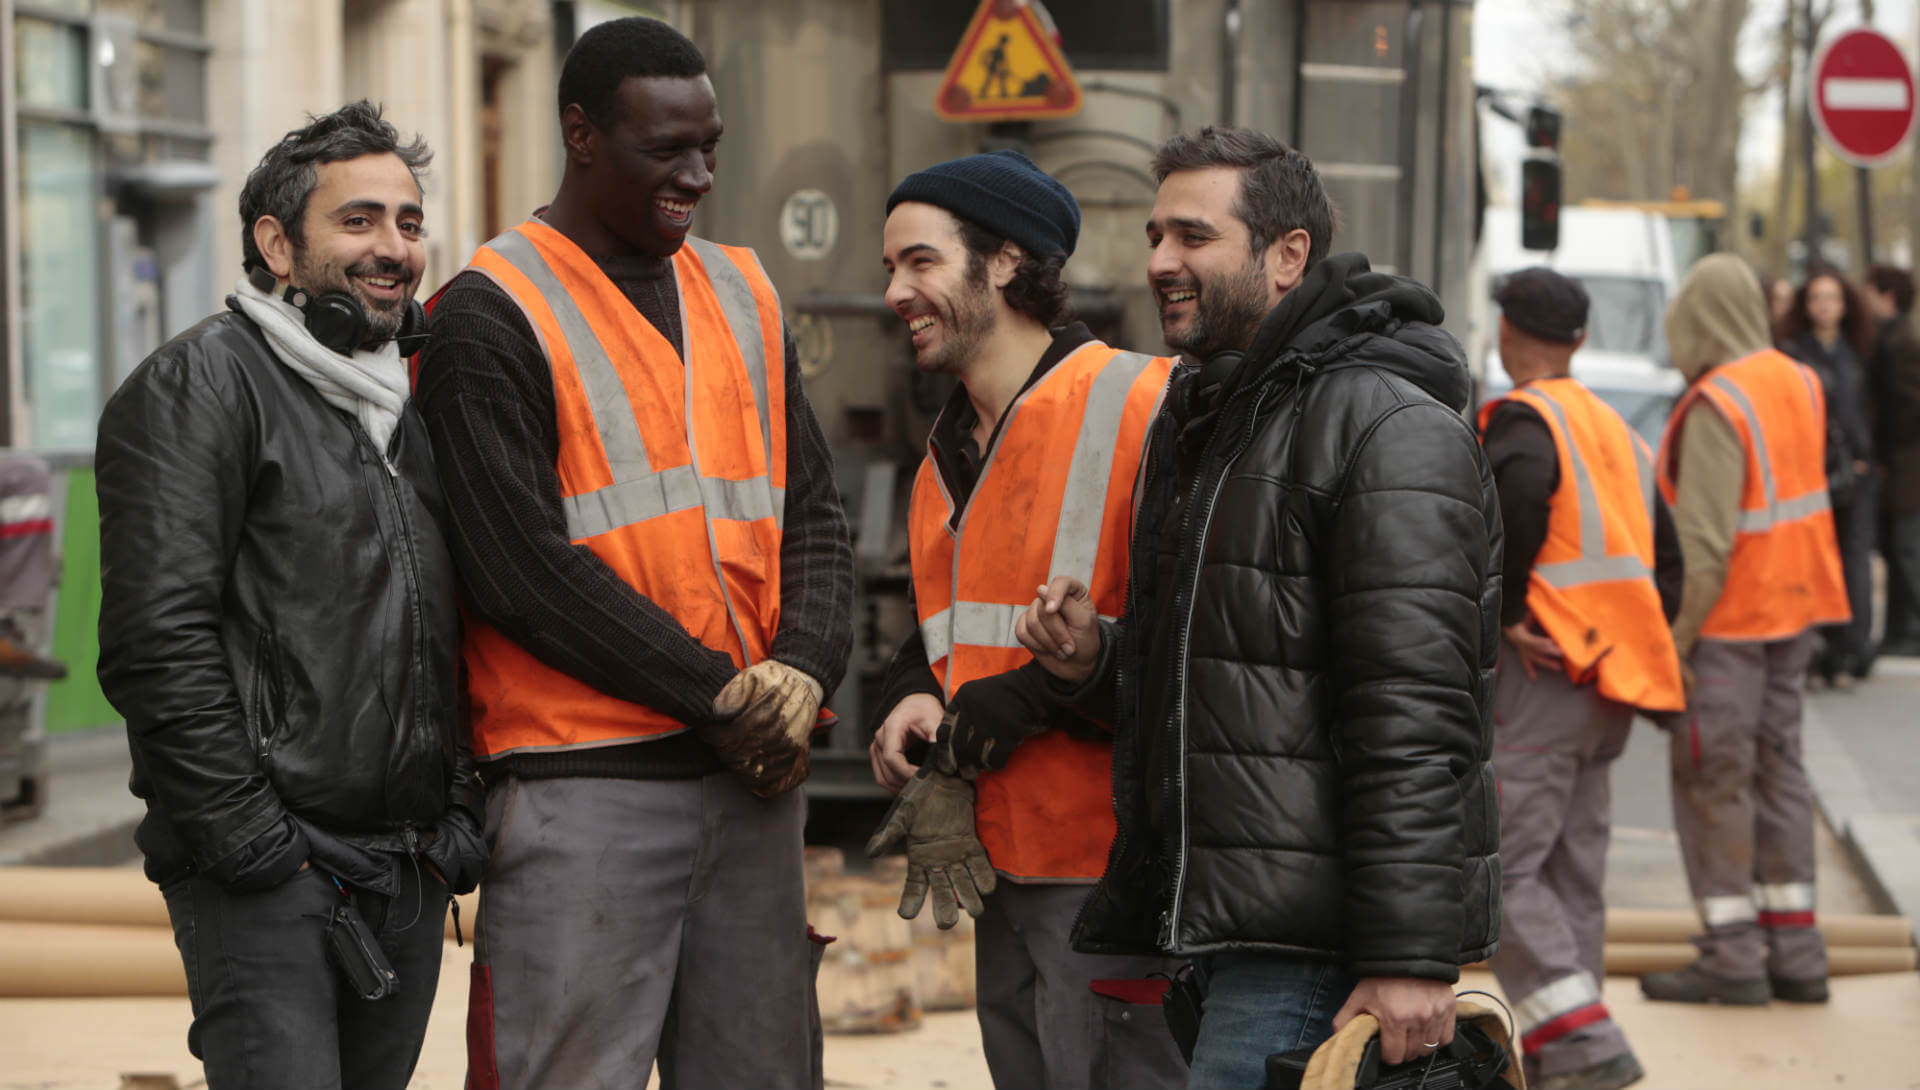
x=1191 y=544
x=404 y=529
x=256 y=715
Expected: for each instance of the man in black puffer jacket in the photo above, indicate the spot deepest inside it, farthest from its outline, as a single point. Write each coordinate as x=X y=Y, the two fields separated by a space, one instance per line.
x=278 y=626
x=1302 y=682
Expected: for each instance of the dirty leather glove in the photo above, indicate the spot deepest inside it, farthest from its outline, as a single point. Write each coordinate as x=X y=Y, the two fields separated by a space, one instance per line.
x=989 y=716
x=933 y=819
x=763 y=718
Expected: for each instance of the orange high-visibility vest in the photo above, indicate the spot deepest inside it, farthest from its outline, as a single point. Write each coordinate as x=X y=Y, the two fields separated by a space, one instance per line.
x=1591 y=588
x=1054 y=498
x=673 y=474
x=1784 y=574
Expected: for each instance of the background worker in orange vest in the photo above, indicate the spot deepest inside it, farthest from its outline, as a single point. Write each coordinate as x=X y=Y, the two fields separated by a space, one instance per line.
x=1592 y=576
x=1029 y=469
x=650 y=633
x=1743 y=463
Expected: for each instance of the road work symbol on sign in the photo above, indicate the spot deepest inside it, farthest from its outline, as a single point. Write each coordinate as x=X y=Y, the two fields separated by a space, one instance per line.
x=1008 y=68
x=1863 y=97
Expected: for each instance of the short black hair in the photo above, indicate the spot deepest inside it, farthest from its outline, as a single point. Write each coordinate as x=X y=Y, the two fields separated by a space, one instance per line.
x=1036 y=289
x=1895 y=281
x=617 y=50
x=285 y=177
x=1280 y=191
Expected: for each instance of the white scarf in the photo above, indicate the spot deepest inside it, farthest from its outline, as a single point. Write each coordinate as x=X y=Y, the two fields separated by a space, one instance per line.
x=372 y=385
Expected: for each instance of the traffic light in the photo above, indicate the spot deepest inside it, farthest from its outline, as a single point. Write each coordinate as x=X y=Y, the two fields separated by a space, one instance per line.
x=1540 y=181
x=1540 y=203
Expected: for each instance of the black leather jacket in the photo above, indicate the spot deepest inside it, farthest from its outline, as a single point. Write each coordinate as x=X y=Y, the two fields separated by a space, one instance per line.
x=1305 y=670
x=278 y=621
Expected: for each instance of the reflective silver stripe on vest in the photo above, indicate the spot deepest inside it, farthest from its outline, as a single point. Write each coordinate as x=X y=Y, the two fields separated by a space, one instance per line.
x=638 y=494
x=1083 y=503
x=976 y=624
x=1594 y=565
x=743 y=318
x=1776 y=511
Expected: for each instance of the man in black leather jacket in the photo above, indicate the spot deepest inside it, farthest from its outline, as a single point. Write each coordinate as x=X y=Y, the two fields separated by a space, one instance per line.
x=1301 y=684
x=278 y=626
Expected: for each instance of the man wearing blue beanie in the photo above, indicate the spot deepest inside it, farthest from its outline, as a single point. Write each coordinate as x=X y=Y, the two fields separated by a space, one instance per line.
x=1029 y=470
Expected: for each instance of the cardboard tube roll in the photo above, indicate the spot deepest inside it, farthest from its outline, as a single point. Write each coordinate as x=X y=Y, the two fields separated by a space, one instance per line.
x=66 y=960
x=1643 y=925
x=81 y=895
x=1638 y=958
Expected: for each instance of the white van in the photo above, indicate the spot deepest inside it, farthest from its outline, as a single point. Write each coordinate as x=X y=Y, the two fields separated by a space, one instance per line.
x=1624 y=258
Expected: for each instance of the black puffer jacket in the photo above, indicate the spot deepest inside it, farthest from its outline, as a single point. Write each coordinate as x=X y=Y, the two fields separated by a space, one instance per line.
x=1305 y=670
x=278 y=621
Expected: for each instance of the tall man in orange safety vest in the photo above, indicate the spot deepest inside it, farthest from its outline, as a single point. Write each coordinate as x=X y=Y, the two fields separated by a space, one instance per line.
x=1029 y=471
x=1592 y=576
x=658 y=585
x=1743 y=463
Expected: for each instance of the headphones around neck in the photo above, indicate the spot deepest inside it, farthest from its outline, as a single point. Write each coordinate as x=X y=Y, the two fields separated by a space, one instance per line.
x=338 y=321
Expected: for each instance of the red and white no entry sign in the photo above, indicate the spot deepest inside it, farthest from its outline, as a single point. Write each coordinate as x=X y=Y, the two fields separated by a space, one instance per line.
x=1863 y=97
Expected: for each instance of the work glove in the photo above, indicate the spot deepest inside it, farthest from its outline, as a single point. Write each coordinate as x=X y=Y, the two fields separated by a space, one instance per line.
x=932 y=818
x=762 y=720
x=990 y=716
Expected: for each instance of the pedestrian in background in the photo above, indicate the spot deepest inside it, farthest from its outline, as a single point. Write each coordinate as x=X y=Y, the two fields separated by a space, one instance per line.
x=1780 y=293
x=278 y=625
x=1592 y=577
x=1030 y=465
x=1830 y=330
x=1895 y=372
x=1303 y=676
x=659 y=585
x=1743 y=463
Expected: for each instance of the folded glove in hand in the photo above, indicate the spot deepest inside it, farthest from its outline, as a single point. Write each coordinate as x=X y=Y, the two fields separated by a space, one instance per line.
x=932 y=818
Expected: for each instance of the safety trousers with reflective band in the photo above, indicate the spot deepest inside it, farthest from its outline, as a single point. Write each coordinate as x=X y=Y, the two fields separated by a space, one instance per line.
x=1784 y=574
x=1591 y=589
x=1549 y=1013
x=673 y=474
x=1055 y=497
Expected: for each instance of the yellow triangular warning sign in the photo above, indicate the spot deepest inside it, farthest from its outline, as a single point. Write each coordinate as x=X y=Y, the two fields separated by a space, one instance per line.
x=1007 y=69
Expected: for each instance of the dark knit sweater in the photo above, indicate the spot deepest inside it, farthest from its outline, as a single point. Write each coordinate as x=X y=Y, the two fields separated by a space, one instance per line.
x=486 y=392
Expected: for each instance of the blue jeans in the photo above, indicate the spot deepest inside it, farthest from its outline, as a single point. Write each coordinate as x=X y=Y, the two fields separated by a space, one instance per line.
x=1256 y=1005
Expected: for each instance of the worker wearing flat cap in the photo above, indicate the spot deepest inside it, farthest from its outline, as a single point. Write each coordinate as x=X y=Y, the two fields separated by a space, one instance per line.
x=1029 y=471
x=1592 y=576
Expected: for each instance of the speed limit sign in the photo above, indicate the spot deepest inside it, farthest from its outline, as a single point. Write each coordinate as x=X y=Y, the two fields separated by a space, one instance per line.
x=809 y=225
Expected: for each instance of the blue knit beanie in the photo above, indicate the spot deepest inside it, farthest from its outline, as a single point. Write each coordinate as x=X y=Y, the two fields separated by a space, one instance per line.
x=1004 y=192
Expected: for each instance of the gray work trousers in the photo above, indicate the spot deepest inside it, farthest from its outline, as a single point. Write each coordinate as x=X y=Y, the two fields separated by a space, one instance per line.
x=624 y=921
x=1554 y=744
x=1744 y=810
x=1042 y=1025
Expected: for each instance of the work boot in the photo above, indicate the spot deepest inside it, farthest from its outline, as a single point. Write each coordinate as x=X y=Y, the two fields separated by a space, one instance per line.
x=1695 y=985
x=1798 y=991
x=1607 y=1075
x=19 y=660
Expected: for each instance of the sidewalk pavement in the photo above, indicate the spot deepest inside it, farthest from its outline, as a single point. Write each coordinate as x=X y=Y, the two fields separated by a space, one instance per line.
x=1864 y=762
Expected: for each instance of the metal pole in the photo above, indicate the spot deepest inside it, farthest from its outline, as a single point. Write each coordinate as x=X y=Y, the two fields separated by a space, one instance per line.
x=1811 y=227
x=1863 y=198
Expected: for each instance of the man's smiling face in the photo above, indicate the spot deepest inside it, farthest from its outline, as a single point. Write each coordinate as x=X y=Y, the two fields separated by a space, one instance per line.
x=1212 y=291
x=364 y=234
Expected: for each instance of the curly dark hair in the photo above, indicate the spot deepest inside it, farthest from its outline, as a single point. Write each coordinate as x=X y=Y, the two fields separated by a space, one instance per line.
x=1036 y=289
x=1856 y=323
x=285 y=177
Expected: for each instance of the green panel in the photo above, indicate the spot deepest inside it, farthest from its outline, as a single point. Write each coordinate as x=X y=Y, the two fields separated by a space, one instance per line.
x=77 y=702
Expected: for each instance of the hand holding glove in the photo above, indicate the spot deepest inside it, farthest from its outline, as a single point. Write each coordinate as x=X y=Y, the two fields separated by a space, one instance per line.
x=764 y=716
x=990 y=716
x=933 y=819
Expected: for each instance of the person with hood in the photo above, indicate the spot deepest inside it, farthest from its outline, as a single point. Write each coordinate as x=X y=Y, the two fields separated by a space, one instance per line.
x=1743 y=465
x=1301 y=684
